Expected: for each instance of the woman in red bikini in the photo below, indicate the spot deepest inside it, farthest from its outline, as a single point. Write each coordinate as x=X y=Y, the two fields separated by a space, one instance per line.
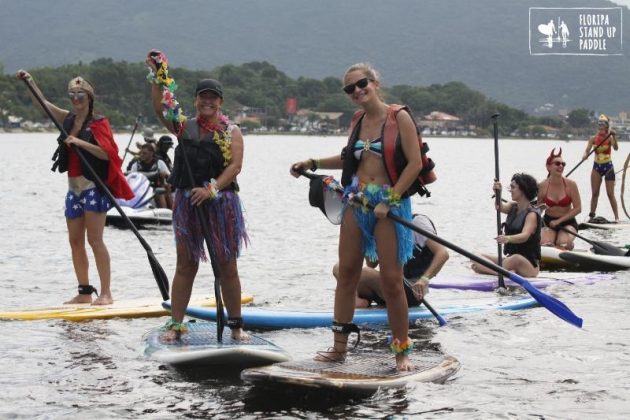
x=561 y=197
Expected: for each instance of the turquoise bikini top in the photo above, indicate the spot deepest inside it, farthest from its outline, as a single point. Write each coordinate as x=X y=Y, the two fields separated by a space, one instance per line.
x=375 y=146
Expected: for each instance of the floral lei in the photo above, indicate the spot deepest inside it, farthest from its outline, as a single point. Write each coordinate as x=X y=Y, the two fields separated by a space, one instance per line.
x=222 y=137
x=171 y=109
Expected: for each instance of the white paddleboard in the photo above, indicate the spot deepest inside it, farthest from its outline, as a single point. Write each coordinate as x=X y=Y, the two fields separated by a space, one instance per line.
x=199 y=346
x=361 y=372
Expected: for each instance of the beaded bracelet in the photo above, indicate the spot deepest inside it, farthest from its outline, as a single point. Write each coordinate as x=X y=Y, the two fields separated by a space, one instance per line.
x=213 y=188
x=391 y=198
x=399 y=347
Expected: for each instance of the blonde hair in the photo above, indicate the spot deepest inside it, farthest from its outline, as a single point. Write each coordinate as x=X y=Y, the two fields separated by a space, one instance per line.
x=365 y=68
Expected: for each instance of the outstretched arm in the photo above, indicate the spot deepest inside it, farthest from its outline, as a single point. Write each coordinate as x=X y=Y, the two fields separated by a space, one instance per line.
x=59 y=113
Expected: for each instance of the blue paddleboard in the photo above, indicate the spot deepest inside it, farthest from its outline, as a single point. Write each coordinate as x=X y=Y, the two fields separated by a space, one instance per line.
x=262 y=318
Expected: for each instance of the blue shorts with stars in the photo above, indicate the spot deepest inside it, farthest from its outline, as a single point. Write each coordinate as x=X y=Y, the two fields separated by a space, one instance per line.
x=89 y=200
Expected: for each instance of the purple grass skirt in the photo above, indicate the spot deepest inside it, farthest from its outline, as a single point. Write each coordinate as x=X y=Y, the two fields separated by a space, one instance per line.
x=225 y=220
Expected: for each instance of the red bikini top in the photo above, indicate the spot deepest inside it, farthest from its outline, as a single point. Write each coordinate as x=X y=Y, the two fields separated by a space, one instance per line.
x=563 y=202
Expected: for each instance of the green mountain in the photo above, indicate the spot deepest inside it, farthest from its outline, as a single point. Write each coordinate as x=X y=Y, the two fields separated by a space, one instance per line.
x=483 y=43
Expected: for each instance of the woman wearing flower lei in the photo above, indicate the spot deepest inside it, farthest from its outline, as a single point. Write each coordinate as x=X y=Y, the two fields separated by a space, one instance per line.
x=214 y=148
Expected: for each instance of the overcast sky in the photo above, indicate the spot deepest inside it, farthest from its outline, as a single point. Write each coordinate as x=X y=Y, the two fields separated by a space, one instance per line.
x=622 y=2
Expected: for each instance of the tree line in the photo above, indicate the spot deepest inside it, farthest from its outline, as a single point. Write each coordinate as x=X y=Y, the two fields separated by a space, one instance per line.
x=123 y=93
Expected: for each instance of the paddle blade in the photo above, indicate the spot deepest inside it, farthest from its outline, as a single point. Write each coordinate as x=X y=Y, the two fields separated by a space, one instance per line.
x=552 y=304
x=160 y=276
x=327 y=200
x=603 y=248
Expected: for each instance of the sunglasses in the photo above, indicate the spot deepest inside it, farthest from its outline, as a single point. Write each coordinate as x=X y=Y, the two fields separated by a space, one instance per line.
x=77 y=95
x=563 y=164
x=361 y=84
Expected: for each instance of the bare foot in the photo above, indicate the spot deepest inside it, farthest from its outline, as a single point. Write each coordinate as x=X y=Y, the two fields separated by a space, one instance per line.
x=403 y=363
x=79 y=299
x=330 y=355
x=103 y=300
x=239 y=335
x=170 y=336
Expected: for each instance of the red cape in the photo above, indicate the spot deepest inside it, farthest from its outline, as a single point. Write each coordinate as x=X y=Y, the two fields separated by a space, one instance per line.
x=116 y=181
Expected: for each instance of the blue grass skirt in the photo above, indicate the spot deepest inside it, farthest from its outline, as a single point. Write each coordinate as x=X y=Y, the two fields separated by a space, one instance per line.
x=365 y=218
x=225 y=220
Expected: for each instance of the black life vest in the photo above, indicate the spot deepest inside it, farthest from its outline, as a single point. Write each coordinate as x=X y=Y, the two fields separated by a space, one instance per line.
x=420 y=260
x=60 y=157
x=513 y=225
x=204 y=156
x=150 y=170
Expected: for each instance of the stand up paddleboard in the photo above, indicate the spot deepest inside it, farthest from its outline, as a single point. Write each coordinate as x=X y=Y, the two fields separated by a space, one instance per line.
x=589 y=261
x=361 y=372
x=261 y=318
x=134 y=308
x=199 y=346
x=550 y=259
x=607 y=226
x=487 y=283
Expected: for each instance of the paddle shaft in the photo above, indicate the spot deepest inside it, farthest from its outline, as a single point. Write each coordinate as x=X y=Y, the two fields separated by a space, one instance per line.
x=589 y=153
x=135 y=127
x=497 y=197
x=163 y=286
x=200 y=214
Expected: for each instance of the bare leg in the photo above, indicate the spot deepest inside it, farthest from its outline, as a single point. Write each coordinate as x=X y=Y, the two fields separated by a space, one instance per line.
x=520 y=265
x=185 y=273
x=231 y=290
x=566 y=240
x=596 y=183
x=610 y=191
x=350 y=263
x=95 y=224
x=548 y=237
x=482 y=269
x=76 y=237
x=392 y=285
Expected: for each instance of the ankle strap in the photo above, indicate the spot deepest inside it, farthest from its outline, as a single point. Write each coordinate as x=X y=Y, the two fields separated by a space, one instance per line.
x=235 y=323
x=87 y=289
x=347 y=329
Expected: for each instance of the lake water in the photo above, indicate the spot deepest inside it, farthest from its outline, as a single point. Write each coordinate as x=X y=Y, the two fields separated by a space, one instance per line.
x=526 y=364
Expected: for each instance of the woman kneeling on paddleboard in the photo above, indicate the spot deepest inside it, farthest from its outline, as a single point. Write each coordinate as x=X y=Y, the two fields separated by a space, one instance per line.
x=561 y=198
x=86 y=205
x=522 y=229
x=211 y=147
x=367 y=233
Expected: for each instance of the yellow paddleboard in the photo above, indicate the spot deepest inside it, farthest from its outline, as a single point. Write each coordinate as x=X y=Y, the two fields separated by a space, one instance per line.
x=133 y=308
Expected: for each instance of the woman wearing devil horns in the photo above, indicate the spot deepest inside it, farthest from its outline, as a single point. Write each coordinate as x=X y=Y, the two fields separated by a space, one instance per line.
x=561 y=198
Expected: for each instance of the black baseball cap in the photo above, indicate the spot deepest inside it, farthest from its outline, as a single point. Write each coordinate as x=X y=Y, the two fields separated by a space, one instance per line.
x=211 y=85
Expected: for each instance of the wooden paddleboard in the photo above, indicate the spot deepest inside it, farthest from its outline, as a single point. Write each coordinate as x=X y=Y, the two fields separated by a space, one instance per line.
x=134 y=308
x=199 y=346
x=364 y=372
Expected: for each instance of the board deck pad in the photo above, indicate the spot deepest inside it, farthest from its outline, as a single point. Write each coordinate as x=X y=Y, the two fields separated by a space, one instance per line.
x=367 y=371
x=199 y=346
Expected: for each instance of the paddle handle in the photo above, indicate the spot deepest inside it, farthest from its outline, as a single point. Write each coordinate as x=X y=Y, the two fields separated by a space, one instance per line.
x=163 y=287
x=135 y=127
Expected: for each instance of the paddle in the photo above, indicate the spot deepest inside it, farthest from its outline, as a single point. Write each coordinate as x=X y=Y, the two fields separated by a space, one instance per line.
x=135 y=126
x=497 y=197
x=600 y=248
x=552 y=304
x=329 y=202
x=158 y=271
x=200 y=214
x=589 y=153
x=623 y=185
